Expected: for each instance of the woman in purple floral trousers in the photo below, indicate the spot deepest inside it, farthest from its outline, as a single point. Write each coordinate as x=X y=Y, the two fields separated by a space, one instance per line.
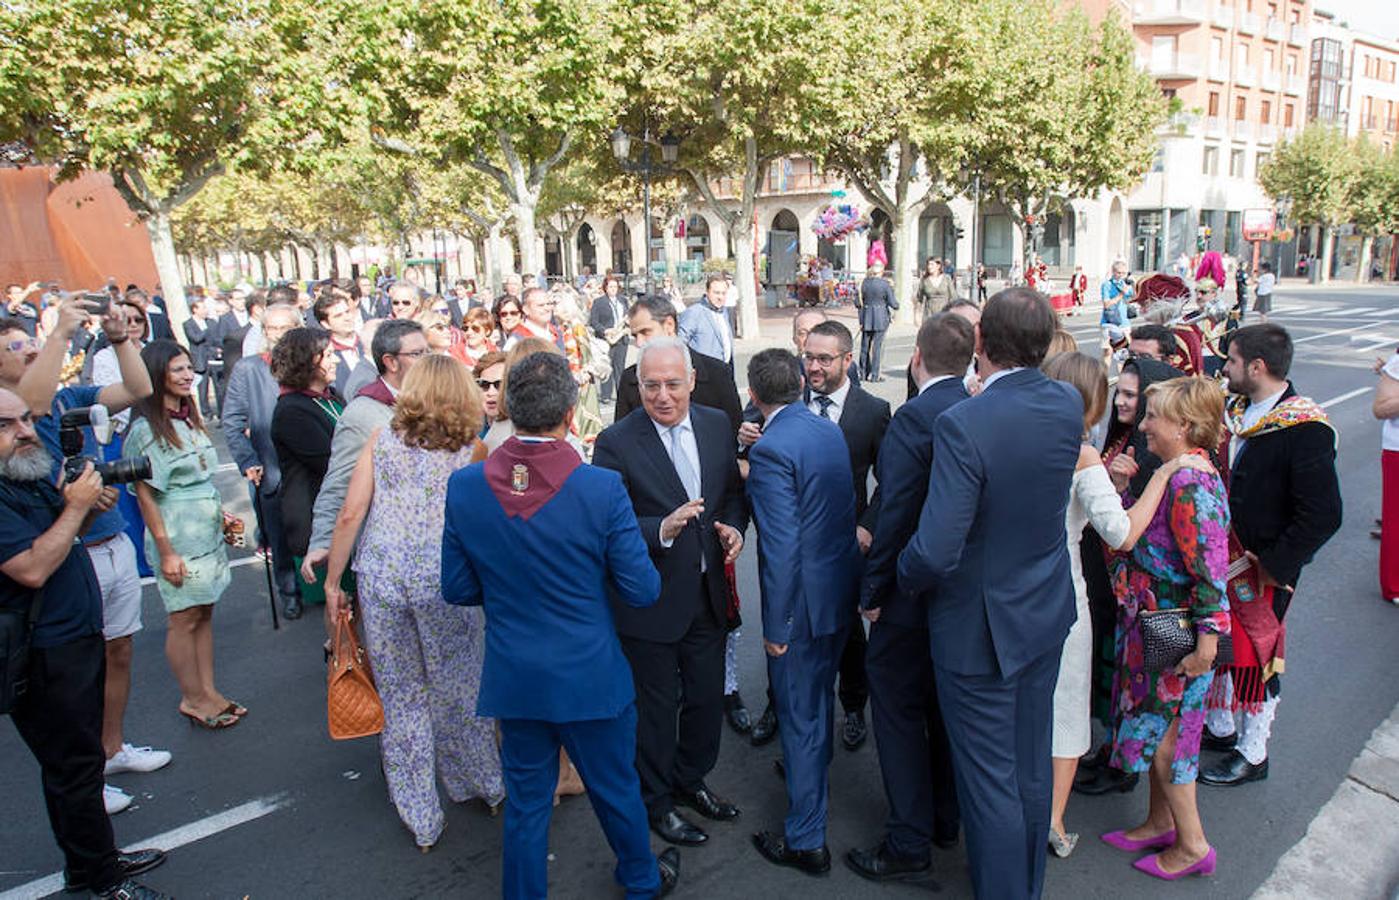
x=1180 y=563
x=426 y=654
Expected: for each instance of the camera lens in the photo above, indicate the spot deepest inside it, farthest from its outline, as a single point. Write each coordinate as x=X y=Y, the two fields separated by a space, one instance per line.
x=125 y=471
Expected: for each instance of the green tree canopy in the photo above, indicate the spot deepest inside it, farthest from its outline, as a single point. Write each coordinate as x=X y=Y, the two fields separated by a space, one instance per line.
x=1317 y=171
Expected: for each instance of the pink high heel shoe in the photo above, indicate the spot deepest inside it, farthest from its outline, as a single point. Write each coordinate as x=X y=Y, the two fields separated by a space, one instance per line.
x=1150 y=866
x=1121 y=841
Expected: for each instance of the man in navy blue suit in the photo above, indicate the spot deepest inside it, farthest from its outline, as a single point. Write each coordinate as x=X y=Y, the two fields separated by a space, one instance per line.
x=991 y=551
x=536 y=537
x=803 y=499
x=914 y=757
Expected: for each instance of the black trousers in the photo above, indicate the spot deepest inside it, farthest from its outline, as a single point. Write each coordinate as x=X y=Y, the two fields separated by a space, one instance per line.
x=914 y=756
x=871 y=353
x=680 y=709
x=268 y=509
x=617 y=355
x=60 y=719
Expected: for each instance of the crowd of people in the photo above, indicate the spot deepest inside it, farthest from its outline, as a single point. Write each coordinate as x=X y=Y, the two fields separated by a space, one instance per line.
x=550 y=603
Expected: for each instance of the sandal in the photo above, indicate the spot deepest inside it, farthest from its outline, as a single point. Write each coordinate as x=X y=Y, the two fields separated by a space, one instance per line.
x=234 y=708
x=212 y=723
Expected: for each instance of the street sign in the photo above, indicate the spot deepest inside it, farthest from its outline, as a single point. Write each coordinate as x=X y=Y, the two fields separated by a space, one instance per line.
x=1258 y=224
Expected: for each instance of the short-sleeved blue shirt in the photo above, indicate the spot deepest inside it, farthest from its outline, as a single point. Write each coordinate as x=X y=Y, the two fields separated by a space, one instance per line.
x=72 y=607
x=109 y=523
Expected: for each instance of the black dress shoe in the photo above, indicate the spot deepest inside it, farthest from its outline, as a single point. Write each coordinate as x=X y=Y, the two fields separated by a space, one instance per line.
x=879 y=863
x=1218 y=744
x=737 y=713
x=669 y=864
x=292 y=609
x=1234 y=769
x=128 y=864
x=944 y=838
x=774 y=849
x=130 y=890
x=676 y=829
x=707 y=804
x=765 y=729
x=854 y=732
x=1106 y=781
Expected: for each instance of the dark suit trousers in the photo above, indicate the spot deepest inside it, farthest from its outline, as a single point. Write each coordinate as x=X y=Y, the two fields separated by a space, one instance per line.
x=802 y=682
x=680 y=710
x=1001 y=731
x=854 y=687
x=602 y=749
x=871 y=353
x=617 y=355
x=915 y=758
x=268 y=509
x=60 y=719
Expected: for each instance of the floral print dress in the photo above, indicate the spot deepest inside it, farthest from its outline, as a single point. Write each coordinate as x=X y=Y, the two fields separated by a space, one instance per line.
x=1179 y=563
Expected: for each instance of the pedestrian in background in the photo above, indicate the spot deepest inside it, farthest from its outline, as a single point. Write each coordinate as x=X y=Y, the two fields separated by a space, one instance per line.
x=1386 y=409
x=876 y=305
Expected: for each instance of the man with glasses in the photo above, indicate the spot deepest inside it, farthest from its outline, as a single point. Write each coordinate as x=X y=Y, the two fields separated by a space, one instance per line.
x=397 y=345
x=403 y=301
x=653 y=317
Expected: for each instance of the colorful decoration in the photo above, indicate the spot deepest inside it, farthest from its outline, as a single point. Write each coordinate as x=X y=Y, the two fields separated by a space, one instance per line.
x=838 y=221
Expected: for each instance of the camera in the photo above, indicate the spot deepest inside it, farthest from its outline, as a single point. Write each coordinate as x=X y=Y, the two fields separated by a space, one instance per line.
x=97 y=303
x=70 y=439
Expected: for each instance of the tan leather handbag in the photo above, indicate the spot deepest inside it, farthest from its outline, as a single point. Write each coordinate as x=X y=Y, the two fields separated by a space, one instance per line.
x=353 y=707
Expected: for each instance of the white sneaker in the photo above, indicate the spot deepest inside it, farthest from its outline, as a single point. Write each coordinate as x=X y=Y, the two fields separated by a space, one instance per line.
x=136 y=759
x=115 y=799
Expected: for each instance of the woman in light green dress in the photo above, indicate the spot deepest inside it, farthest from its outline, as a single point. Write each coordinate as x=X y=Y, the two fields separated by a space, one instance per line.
x=184 y=528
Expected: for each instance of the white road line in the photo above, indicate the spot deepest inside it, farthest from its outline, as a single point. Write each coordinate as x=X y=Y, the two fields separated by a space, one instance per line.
x=1317 y=337
x=1325 y=405
x=232 y=564
x=1363 y=310
x=1381 y=342
x=177 y=837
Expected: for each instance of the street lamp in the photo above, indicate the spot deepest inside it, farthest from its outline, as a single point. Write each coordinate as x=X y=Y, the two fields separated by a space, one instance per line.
x=646 y=166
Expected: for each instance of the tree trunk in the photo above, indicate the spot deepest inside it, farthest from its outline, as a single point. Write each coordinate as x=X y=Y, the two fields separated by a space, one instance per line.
x=1362 y=271
x=527 y=233
x=905 y=246
x=746 y=277
x=204 y=267
x=1325 y=274
x=167 y=266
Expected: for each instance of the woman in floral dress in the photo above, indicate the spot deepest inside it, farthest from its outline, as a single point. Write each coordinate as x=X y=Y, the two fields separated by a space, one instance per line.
x=1180 y=563
x=426 y=654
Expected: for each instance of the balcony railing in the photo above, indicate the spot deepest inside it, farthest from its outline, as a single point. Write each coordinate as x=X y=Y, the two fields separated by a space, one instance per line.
x=1168 y=12
x=1272 y=80
x=1267 y=134
x=1297 y=34
x=1172 y=66
x=796 y=183
x=1215 y=127
x=1274 y=30
x=1218 y=69
x=1224 y=16
x=1249 y=23
x=1295 y=85
x=1244 y=77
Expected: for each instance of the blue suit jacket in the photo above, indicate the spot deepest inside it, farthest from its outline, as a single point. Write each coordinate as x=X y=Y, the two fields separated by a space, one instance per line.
x=699 y=329
x=990 y=540
x=803 y=499
x=905 y=459
x=552 y=652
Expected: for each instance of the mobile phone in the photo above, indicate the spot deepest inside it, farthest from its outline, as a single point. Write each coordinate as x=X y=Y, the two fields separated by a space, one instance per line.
x=97 y=304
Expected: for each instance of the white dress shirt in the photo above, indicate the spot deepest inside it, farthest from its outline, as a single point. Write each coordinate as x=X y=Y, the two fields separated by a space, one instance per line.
x=837 y=397
x=679 y=440
x=993 y=378
x=932 y=381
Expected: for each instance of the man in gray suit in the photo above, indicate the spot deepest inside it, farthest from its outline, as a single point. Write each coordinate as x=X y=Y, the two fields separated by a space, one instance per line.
x=876 y=303
x=704 y=327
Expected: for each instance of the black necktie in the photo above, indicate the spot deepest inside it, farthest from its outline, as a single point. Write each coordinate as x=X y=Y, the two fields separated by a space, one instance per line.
x=825 y=403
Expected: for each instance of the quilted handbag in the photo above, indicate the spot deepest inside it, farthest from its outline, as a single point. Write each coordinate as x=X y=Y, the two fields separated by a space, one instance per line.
x=1167 y=638
x=353 y=707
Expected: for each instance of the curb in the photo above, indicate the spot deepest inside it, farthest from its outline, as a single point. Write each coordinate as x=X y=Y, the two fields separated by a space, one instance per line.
x=1351 y=848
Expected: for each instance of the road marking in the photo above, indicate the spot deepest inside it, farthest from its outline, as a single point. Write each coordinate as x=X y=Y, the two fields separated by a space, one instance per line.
x=167 y=841
x=1325 y=405
x=1317 y=337
x=1380 y=342
x=232 y=564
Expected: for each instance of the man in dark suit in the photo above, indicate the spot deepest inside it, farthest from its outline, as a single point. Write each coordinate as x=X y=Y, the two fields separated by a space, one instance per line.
x=876 y=305
x=1285 y=503
x=608 y=319
x=990 y=549
x=678 y=462
x=554 y=674
x=198 y=334
x=863 y=418
x=809 y=570
x=914 y=757
x=653 y=317
x=229 y=332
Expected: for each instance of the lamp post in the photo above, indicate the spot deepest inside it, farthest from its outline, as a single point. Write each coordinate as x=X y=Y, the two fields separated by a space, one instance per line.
x=646 y=166
x=974 y=176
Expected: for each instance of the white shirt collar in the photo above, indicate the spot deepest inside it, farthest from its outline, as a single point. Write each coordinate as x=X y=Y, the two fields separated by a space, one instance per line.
x=932 y=381
x=837 y=400
x=683 y=425
x=993 y=378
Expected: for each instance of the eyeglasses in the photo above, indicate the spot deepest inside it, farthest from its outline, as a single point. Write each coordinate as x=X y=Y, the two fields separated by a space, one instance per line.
x=821 y=359
x=442 y=310
x=412 y=354
x=512 y=313
x=487 y=385
x=475 y=329
x=654 y=387
x=402 y=303
x=19 y=344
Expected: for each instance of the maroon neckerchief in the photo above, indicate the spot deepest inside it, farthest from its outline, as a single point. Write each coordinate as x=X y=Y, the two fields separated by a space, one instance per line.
x=326 y=394
x=183 y=413
x=377 y=390
x=526 y=475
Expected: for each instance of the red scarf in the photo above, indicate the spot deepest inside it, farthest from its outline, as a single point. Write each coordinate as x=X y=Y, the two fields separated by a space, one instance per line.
x=526 y=475
x=326 y=394
x=377 y=390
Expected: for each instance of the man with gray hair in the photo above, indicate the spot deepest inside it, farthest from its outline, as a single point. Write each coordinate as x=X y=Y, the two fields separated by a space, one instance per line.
x=532 y=535
x=397 y=344
x=679 y=463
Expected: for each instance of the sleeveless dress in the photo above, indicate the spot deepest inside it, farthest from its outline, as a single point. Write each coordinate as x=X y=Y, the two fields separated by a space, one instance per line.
x=426 y=654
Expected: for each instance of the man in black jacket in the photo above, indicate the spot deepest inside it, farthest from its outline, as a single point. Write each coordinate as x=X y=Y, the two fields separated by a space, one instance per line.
x=653 y=317
x=1285 y=503
x=876 y=305
x=914 y=757
x=678 y=462
x=609 y=311
x=199 y=333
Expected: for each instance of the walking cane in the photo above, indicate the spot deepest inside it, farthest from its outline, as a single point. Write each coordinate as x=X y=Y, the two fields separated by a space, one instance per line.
x=267 y=559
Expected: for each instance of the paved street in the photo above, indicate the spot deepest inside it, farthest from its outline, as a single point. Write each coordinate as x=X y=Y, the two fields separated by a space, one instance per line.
x=273 y=808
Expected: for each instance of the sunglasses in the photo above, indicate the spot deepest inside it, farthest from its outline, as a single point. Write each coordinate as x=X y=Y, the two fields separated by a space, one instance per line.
x=512 y=313
x=401 y=303
x=486 y=385
x=442 y=310
x=21 y=344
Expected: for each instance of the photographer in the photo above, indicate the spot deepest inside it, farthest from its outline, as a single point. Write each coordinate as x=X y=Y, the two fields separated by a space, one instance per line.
x=34 y=374
x=59 y=715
